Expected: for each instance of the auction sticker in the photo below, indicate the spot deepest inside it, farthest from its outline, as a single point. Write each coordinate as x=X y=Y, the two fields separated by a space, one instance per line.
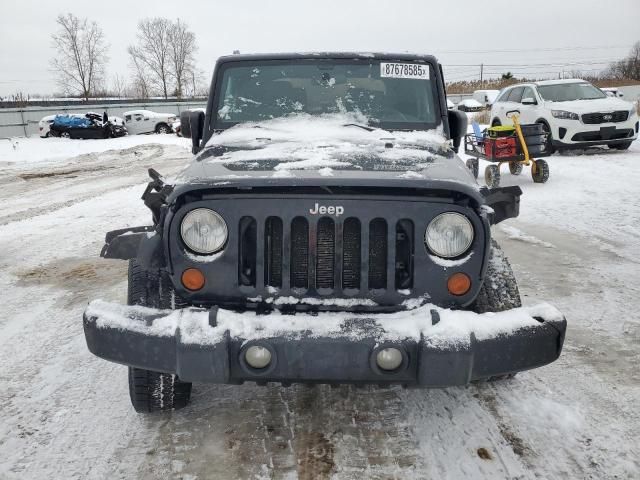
x=404 y=70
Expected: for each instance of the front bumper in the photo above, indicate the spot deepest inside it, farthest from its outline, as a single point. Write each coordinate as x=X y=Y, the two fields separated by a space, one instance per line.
x=440 y=347
x=574 y=133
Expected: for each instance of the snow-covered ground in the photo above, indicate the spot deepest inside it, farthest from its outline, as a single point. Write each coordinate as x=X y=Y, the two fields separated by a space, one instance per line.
x=66 y=414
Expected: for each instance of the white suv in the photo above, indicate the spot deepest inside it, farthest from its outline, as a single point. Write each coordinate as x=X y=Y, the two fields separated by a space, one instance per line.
x=573 y=112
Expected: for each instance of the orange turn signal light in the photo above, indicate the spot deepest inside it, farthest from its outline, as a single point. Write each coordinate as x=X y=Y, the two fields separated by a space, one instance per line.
x=193 y=279
x=458 y=284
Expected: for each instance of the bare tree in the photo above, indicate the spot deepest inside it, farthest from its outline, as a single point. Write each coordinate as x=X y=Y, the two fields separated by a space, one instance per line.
x=118 y=86
x=183 y=47
x=152 y=52
x=81 y=55
x=140 y=84
x=629 y=67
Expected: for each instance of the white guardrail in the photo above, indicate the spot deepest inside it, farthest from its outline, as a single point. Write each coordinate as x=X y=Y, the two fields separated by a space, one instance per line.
x=23 y=122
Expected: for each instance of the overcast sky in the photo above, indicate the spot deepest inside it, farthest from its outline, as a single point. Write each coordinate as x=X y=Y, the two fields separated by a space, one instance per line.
x=544 y=33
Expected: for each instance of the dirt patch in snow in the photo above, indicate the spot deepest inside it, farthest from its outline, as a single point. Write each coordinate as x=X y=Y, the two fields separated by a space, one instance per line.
x=315 y=458
x=484 y=454
x=80 y=276
x=517 y=444
x=71 y=173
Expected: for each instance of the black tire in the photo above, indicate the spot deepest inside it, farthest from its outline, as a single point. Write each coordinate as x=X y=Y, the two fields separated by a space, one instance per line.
x=65 y=135
x=620 y=146
x=492 y=176
x=474 y=166
x=539 y=171
x=515 y=168
x=163 y=128
x=496 y=123
x=549 y=145
x=499 y=292
x=154 y=391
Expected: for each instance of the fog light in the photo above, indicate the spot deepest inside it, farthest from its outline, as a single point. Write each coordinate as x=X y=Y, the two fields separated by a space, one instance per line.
x=389 y=358
x=257 y=357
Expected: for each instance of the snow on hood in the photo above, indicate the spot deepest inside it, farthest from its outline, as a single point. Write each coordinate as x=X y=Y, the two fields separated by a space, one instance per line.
x=303 y=141
x=608 y=104
x=454 y=328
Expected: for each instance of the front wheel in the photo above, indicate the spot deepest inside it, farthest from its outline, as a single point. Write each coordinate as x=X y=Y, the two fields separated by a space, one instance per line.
x=154 y=391
x=65 y=135
x=539 y=171
x=621 y=146
x=499 y=292
x=549 y=144
x=162 y=128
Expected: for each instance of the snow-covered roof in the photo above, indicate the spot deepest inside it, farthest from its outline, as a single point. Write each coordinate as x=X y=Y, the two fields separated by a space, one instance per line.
x=558 y=82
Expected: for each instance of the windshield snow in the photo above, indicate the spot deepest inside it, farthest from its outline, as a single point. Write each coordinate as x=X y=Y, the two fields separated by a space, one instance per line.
x=391 y=95
x=567 y=92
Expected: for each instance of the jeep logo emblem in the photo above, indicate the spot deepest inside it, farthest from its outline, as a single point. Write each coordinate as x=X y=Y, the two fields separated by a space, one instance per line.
x=336 y=210
x=607 y=117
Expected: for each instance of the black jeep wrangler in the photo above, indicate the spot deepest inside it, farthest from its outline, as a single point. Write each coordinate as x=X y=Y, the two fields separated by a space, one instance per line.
x=325 y=232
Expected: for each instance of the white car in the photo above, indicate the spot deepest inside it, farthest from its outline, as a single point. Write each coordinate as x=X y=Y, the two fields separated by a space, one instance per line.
x=486 y=97
x=470 y=105
x=573 y=112
x=146 y=121
x=613 y=92
x=44 y=125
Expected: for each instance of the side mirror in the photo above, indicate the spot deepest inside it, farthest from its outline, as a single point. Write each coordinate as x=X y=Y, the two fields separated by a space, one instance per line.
x=457 y=127
x=529 y=101
x=192 y=126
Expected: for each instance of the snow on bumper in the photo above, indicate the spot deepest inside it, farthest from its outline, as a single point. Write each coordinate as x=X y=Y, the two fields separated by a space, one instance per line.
x=440 y=347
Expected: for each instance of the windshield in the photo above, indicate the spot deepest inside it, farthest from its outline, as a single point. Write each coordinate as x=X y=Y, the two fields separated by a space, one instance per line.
x=390 y=95
x=566 y=92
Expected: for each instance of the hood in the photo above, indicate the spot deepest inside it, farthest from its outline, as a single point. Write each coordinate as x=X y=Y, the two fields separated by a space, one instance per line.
x=604 y=105
x=325 y=151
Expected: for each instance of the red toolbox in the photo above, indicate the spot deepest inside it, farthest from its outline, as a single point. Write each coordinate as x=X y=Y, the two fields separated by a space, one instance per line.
x=500 y=147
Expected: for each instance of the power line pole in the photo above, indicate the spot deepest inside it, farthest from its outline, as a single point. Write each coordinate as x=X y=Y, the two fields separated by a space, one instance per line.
x=481 y=72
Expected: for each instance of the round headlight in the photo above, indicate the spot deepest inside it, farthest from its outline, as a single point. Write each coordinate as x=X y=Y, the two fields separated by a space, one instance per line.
x=203 y=231
x=449 y=235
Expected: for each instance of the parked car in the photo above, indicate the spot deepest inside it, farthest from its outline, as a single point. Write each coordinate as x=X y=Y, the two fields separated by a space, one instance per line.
x=376 y=259
x=574 y=113
x=44 y=125
x=486 y=97
x=146 y=121
x=470 y=105
x=613 y=92
x=91 y=125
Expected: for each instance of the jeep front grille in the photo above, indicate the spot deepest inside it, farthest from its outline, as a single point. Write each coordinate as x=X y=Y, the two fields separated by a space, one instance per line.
x=613 y=117
x=326 y=255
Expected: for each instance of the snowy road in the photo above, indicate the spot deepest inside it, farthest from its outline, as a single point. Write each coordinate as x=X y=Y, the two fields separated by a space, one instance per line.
x=66 y=414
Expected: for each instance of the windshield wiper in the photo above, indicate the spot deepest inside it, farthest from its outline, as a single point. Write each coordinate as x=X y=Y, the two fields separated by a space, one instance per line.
x=364 y=127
